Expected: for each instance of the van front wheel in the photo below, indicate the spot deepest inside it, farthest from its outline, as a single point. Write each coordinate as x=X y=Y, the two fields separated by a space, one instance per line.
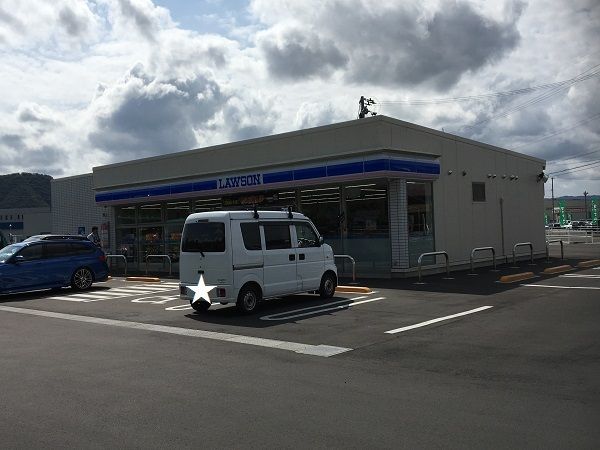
x=248 y=299
x=328 y=285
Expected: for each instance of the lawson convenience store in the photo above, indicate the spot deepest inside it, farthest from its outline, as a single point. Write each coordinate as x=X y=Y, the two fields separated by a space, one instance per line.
x=379 y=189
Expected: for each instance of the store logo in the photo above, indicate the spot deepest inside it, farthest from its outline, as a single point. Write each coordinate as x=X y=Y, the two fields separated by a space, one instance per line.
x=245 y=180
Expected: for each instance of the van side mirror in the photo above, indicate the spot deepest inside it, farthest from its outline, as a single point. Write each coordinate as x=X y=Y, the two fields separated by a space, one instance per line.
x=321 y=240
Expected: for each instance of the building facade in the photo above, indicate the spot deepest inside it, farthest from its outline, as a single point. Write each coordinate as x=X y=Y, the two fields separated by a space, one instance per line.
x=17 y=224
x=381 y=190
x=74 y=209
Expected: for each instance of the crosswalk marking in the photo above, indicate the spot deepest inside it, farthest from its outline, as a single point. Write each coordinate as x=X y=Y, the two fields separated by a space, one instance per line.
x=113 y=293
x=147 y=289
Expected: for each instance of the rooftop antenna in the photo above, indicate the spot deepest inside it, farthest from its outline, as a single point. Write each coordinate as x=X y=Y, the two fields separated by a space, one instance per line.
x=255 y=212
x=290 y=215
x=363 y=105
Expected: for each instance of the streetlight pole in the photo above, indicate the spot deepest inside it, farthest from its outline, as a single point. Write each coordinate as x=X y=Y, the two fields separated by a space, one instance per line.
x=553 y=215
x=585 y=194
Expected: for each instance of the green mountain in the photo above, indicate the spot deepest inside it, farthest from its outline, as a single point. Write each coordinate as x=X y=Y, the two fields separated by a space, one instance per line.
x=24 y=190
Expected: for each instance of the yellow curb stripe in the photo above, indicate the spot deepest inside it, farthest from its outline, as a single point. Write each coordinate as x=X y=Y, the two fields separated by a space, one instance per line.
x=516 y=277
x=145 y=279
x=353 y=290
x=590 y=263
x=558 y=269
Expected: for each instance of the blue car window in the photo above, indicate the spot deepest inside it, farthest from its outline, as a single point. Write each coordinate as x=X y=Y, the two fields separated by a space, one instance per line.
x=78 y=248
x=31 y=252
x=7 y=252
x=56 y=250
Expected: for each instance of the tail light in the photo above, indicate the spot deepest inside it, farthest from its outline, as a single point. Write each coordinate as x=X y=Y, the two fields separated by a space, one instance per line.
x=102 y=257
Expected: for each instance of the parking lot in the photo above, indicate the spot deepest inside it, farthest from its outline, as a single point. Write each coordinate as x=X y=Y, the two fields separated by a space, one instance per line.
x=488 y=363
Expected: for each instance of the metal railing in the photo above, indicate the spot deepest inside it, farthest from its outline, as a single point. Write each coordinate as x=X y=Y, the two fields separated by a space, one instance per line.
x=570 y=236
x=562 y=248
x=522 y=244
x=478 y=249
x=159 y=256
x=420 y=260
x=119 y=257
x=353 y=264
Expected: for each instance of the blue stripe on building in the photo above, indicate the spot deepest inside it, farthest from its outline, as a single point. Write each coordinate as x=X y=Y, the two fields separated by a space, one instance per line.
x=310 y=173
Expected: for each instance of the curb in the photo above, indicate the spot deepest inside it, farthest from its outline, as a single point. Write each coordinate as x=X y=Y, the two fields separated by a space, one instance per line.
x=353 y=290
x=590 y=263
x=557 y=269
x=145 y=279
x=516 y=277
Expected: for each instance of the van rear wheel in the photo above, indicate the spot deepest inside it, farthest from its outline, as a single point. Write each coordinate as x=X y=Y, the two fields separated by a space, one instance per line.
x=328 y=285
x=248 y=299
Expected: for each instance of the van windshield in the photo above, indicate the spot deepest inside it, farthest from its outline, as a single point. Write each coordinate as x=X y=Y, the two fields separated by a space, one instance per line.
x=203 y=237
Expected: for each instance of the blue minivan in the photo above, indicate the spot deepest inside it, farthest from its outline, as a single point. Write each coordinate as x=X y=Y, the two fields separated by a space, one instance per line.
x=51 y=263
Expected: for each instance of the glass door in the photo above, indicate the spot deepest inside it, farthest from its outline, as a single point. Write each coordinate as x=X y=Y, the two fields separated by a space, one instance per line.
x=419 y=196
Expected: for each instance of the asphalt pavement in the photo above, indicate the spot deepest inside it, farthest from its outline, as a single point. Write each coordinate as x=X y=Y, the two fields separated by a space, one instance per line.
x=463 y=362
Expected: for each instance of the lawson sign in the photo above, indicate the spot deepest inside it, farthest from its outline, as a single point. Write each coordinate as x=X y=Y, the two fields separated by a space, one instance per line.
x=240 y=181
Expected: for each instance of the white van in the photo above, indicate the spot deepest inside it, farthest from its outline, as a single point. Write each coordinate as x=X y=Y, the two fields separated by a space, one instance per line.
x=251 y=255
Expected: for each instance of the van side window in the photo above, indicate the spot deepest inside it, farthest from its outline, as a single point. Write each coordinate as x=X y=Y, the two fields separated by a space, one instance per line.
x=251 y=235
x=203 y=237
x=306 y=235
x=277 y=235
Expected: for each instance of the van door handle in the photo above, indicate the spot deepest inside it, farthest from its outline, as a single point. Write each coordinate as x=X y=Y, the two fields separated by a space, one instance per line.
x=302 y=257
x=292 y=257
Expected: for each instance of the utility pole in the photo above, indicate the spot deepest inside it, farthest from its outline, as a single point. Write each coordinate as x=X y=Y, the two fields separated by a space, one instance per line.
x=553 y=216
x=585 y=194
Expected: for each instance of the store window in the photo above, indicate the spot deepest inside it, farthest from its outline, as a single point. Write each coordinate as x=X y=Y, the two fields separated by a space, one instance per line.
x=177 y=211
x=127 y=244
x=419 y=196
x=367 y=227
x=208 y=204
x=125 y=215
x=150 y=213
x=323 y=207
x=151 y=242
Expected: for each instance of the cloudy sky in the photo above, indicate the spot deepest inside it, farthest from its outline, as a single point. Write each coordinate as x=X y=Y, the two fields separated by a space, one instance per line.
x=86 y=83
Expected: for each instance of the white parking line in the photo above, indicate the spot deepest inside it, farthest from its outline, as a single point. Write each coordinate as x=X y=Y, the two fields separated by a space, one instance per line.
x=439 y=319
x=342 y=304
x=579 y=275
x=307 y=349
x=560 y=287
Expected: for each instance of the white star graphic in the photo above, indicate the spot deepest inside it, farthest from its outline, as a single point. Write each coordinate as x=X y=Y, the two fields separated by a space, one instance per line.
x=201 y=291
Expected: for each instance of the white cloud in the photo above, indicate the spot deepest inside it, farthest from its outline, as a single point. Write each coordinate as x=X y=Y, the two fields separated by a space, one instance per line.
x=86 y=83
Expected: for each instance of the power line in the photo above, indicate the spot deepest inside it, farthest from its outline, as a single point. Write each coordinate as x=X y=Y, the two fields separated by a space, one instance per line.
x=576 y=167
x=556 y=133
x=435 y=101
x=574 y=156
x=581 y=77
x=577 y=170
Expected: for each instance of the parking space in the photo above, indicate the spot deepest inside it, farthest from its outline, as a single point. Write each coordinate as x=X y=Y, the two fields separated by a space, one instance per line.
x=347 y=321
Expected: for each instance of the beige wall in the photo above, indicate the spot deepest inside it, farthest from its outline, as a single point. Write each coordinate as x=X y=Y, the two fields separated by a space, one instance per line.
x=461 y=224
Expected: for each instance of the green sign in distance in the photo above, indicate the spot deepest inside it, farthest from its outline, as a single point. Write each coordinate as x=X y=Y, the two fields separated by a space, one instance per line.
x=594 y=210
